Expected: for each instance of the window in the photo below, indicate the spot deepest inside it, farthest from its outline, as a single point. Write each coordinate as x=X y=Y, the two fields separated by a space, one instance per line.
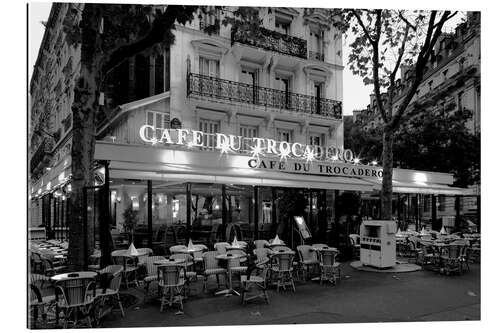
x=209 y=67
x=316 y=45
x=210 y=127
x=159 y=72
x=445 y=73
x=441 y=203
x=460 y=100
x=430 y=85
x=317 y=139
x=318 y=94
x=247 y=131
x=282 y=26
x=284 y=135
x=283 y=85
x=158 y=120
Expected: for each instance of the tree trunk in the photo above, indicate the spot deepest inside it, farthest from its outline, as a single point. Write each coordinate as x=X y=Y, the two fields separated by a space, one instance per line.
x=83 y=141
x=387 y=157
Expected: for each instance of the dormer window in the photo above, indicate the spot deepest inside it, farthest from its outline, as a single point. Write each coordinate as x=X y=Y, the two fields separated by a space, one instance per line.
x=282 y=23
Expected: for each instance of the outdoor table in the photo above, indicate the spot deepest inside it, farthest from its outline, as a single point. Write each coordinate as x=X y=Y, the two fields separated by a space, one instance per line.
x=275 y=245
x=74 y=276
x=226 y=258
x=237 y=247
x=169 y=262
x=192 y=250
x=124 y=253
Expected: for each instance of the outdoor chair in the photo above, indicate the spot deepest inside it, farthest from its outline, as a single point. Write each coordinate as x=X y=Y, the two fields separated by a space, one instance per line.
x=198 y=255
x=220 y=247
x=452 y=259
x=329 y=267
x=260 y=243
x=50 y=267
x=211 y=267
x=95 y=261
x=129 y=267
x=283 y=268
x=426 y=256
x=234 y=266
x=75 y=298
x=148 y=252
x=151 y=271
x=110 y=279
x=355 y=243
x=177 y=249
x=262 y=255
x=171 y=282
x=254 y=285
x=40 y=301
x=241 y=253
x=308 y=260
x=189 y=273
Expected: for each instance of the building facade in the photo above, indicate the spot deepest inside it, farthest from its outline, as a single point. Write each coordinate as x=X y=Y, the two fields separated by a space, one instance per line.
x=214 y=133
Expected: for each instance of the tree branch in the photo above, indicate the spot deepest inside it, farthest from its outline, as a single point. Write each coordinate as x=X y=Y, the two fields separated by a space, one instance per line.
x=400 y=56
x=361 y=23
x=412 y=26
x=375 y=60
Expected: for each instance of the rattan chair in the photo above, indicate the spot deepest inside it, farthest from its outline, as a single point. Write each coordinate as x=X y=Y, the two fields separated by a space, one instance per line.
x=41 y=299
x=151 y=271
x=188 y=265
x=263 y=254
x=220 y=247
x=129 y=267
x=75 y=297
x=260 y=243
x=329 y=267
x=211 y=267
x=171 y=282
x=308 y=260
x=255 y=285
x=282 y=266
x=177 y=249
x=108 y=291
x=148 y=252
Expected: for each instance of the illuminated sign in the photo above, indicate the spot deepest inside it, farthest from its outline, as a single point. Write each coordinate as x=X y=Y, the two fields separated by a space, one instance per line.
x=257 y=147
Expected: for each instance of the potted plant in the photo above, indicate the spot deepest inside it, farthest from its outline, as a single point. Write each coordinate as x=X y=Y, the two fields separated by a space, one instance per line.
x=129 y=222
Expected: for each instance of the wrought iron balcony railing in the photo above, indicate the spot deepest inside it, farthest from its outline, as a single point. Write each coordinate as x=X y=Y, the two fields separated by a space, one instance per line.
x=208 y=86
x=39 y=156
x=272 y=41
x=316 y=56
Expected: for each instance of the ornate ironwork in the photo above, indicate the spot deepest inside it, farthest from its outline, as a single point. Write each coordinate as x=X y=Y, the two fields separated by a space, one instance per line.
x=317 y=55
x=40 y=155
x=208 y=86
x=272 y=41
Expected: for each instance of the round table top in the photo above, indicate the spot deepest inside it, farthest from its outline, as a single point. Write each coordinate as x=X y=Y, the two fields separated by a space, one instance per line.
x=169 y=262
x=326 y=249
x=195 y=248
x=228 y=256
x=274 y=245
x=232 y=247
x=78 y=275
x=124 y=253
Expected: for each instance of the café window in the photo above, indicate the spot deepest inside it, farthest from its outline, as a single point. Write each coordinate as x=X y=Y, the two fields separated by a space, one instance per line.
x=159 y=120
x=209 y=67
x=209 y=127
x=284 y=135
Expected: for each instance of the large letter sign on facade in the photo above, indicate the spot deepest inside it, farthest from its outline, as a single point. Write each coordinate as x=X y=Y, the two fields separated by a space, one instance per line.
x=312 y=159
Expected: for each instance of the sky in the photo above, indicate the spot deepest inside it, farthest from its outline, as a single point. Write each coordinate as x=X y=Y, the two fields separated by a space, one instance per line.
x=356 y=95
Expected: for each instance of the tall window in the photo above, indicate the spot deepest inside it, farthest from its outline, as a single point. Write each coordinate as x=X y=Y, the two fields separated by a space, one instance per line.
x=318 y=94
x=210 y=127
x=282 y=26
x=283 y=84
x=158 y=120
x=249 y=77
x=284 y=135
x=317 y=139
x=159 y=72
x=248 y=131
x=209 y=67
x=460 y=100
x=316 y=45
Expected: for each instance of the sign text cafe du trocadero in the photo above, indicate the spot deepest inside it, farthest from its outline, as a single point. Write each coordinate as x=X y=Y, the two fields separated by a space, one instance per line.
x=267 y=153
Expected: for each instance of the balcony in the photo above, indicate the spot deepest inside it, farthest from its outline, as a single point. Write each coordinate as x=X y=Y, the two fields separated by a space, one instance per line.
x=316 y=56
x=41 y=156
x=272 y=41
x=212 y=87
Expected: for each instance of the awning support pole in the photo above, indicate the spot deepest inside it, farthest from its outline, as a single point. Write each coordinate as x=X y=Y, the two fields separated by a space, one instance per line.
x=457 y=211
x=189 y=207
x=256 y=211
x=150 y=213
x=434 y=212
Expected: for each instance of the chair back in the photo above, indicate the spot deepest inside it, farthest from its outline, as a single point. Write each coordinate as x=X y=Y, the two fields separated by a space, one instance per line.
x=209 y=260
x=184 y=256
x=75 y=292
x=170 y=276
x=284 y=261
x=177 y=249
x=262 y=254
x=327 y=258
x=260 y=243
x=237 y=252
x=199 y=254
x=306 y=252
x=151 y=268
x=282 y=248
x=220 y=247
x=116 y=280
x=123 y=260
x=148 y=252
x=454 y=251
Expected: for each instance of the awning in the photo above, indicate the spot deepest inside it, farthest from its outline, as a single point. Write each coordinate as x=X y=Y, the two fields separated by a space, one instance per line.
x=198 y=175
x=421 y=188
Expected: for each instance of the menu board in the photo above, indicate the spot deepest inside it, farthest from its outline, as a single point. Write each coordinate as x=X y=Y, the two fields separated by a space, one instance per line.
x=301 y=225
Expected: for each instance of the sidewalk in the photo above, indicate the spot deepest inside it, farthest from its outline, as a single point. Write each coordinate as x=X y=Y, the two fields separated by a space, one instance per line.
x=359 y=297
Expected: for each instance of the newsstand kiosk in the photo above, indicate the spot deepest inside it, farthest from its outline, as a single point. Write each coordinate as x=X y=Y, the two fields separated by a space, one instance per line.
x=378 y=243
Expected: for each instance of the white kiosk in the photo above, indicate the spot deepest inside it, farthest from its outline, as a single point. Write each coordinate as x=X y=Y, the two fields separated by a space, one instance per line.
x=378 y=243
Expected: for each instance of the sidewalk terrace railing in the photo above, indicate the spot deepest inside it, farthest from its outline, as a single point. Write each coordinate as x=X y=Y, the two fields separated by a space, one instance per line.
x=272 y=41
x=316 y=56
x=208 y=86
